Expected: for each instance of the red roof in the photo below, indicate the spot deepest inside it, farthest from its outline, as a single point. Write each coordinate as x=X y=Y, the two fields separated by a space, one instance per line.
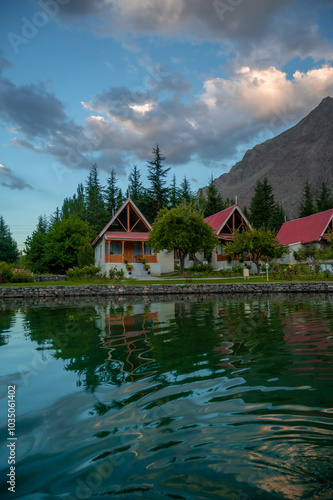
x=218 y=220
x=305 y=230
x=127 y=236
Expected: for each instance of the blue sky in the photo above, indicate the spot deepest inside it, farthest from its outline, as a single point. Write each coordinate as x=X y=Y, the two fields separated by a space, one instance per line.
x=103 y=81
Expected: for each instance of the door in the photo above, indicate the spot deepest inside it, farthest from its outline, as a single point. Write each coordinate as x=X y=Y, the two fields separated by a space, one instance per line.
x=129 y=251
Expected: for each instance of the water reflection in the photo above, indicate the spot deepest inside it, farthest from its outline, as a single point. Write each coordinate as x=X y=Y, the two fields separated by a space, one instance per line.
x=190 y=398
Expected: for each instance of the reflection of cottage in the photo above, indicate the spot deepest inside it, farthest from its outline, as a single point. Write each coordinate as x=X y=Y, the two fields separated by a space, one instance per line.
x=306 y=231
x=225 y=224
x=126 y=237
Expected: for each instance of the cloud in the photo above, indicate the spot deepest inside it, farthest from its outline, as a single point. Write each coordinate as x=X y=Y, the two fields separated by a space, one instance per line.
x=226 y=115
x=8 y=179
x=254 y=29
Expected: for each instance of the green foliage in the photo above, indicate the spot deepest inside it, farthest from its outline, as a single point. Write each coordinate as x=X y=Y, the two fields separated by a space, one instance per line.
x=63 y=242
x=10 y=275
x=324 y=200
x=158 y=193
x=264 y=210
x=305 y=253
x=8 y=247
x=307 y=206
x=182 y=229
x=85 y=256
x=116 y=274
x=255 y=245
x=6 y=272
x=84 y=273
x=214 y=202
x=136 y=187
x=96 y=214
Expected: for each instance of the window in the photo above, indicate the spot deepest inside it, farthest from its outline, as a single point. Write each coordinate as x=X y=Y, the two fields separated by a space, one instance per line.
x=147 y=249
x=219 y=249
x=117 y=247
x=106 y=248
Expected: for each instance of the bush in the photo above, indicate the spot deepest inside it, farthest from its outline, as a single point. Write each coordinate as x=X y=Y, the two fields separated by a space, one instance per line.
x=116 y=274
x=22 y=276
x=81 y=274
x=6 y=272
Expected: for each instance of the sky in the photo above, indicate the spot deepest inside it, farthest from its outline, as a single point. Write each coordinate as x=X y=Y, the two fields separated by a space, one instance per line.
x=104 y=81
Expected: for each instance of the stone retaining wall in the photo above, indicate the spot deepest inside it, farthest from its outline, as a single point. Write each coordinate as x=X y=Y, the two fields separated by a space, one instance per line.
x=57 y=291
x=61 y=277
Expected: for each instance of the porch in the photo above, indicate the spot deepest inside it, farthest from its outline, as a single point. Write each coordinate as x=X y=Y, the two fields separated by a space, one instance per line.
x=134 y=251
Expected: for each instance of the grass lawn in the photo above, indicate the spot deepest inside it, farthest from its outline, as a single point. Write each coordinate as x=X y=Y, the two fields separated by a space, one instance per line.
x=162 y=281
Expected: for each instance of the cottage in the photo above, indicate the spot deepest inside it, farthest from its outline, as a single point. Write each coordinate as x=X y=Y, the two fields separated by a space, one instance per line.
x=309 y=230
x=125 y=239
x=224 y=224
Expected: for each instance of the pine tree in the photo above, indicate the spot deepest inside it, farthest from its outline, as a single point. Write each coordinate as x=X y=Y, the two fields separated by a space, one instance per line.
x=8 y=247
x=111 y=193
x=201 y=201
x=96 y=214
x=174 y=193
x=135 y=185
x=158 y=192
x=35 y=246
x=186 y=193
x=264 y=210
x=324 y=200
x=214 y=202
x=306 y=206
x=120 y=199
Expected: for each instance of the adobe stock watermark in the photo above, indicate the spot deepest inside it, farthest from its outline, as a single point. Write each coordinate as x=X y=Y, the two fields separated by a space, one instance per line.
x=222 y=8
x=30 y=27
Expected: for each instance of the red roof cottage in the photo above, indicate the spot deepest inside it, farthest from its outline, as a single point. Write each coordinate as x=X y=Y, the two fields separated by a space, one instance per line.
x=125 y=238
x=224 y=224
x=305 y=231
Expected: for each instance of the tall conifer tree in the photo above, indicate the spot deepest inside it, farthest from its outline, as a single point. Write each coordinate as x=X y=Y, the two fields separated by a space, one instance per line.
x=159 y=192
x=8 y=246
x=307 y=206
x=324 y=200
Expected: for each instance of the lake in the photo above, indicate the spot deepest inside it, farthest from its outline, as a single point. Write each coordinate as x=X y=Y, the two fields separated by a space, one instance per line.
x=182 y=398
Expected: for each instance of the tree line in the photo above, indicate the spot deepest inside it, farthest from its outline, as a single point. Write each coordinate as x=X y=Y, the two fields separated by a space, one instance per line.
x=63 y=240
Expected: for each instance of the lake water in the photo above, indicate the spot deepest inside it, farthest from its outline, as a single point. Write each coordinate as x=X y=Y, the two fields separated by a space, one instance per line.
x=186 y=398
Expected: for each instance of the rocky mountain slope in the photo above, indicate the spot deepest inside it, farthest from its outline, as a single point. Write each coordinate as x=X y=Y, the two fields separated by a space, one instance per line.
x=303 y=152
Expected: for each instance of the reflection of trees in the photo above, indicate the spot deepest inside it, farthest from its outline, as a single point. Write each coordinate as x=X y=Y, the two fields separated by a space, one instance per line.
x=7 y=319
x=183 y=342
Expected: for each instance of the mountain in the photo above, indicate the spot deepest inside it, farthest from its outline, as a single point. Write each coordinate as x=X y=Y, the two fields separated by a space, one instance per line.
x=303 y=152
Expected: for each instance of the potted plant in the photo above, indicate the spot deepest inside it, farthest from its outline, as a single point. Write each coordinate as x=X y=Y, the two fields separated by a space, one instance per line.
x=129 y=268
x=126 y=261
x=143 y=260
x=147 y=267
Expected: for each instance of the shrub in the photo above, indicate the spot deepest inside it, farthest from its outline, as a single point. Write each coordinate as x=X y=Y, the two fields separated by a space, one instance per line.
x=6 y=272
x=81 y=274
x=22 y=276
x=116 y=274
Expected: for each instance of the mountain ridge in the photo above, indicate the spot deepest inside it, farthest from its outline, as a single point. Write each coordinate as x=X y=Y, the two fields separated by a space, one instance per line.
x=301 y=153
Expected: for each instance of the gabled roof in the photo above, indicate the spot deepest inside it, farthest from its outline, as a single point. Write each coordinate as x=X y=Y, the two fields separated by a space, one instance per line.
x=305 y=230
x=116 y=215
x=217 y=221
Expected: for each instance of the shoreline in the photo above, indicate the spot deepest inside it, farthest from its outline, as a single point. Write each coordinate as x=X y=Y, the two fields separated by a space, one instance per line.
x=57 y=291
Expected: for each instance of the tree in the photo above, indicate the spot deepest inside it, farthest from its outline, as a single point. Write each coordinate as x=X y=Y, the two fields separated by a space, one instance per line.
x=35 y=246
x=111 y=193
x=96 y=213
x=8 y=246
x=135 y=186
x=174 y=193
x=214 y=202
x=85 y=255
x=182 y=229
x=256 y=244
x=324 y=200
x=306 y=206
x=185 y=191
x=264 y=210
x=158 y=192
x=63 y=243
